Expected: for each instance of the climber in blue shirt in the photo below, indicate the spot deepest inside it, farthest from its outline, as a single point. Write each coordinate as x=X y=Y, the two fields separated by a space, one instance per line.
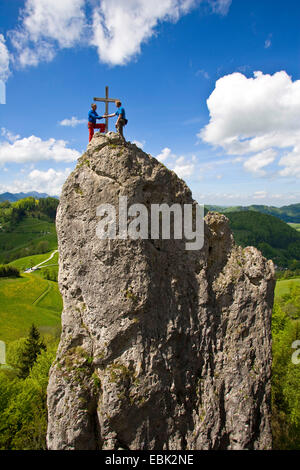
x=121 y=121
x=92 y=124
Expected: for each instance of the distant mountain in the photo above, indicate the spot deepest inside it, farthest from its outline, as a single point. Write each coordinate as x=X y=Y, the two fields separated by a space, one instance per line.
x=289 y=214
x=12 y=197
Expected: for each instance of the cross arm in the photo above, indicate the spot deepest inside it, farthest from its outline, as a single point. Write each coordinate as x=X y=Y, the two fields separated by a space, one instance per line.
x=109 y=100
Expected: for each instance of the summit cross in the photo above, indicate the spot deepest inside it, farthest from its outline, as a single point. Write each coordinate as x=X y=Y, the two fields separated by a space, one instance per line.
x=106 y=100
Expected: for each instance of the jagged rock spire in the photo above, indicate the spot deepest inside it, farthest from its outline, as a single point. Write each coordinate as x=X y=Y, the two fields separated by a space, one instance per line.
x=161 y=348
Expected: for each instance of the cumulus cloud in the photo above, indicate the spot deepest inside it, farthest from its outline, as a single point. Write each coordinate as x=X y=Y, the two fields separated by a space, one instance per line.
x=121 y=27
x=184 y=170
x=115 y=27
x=164 y=154
x=73 y=122
x=46 y=25
x=49 y=181
x=258 y=116
x=183 y=166
x=33 y=149
x=28 y=55
x=291 y=163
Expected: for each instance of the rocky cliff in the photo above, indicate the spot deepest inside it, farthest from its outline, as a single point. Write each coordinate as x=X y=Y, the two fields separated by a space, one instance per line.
x=161 y=347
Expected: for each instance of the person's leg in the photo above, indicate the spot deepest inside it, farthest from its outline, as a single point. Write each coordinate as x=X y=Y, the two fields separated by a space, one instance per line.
x=91 y=133
x=120 y=130
x=100 y=126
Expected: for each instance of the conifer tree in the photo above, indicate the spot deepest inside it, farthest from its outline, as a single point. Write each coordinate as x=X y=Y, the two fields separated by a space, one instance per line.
x=32 y=348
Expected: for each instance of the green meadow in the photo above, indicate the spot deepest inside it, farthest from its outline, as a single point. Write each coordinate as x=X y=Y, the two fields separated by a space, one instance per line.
x=26 y=300
x=283 y=287
x=26 y=237
x=295 y=226
x=29 y=261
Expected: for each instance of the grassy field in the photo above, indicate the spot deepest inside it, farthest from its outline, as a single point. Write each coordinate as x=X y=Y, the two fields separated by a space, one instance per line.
x=26 y=300
x=24 y=263
x=27 y=234
x=283 y=287
x=295 y=226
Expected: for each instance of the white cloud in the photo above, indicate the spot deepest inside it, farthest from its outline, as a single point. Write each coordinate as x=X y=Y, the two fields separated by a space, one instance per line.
x=46 y=25
x=4 y=59
x=165 y=153
x=117 y=28
x=291 y=163
x=73 y=122
x=49 y=182
x=182 y=166
x=121 y=27
x=256 y=163
x=32 y=56
x=184 y=170
x=55 y=19
x=33 y=149
x=255 y=115
x=9 y=135
x=139 y=144
x=193 y=166
x=220 y=6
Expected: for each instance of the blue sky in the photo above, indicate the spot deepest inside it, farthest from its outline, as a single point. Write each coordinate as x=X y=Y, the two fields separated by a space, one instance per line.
x=210 y=87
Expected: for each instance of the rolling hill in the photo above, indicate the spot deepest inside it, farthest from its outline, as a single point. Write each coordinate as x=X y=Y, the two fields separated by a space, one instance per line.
x=289 y=213
x=27 y=238
x=26 y=300
x=273 y=237
x=27 y=227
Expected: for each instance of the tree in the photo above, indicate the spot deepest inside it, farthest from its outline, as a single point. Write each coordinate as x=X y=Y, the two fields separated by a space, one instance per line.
x=32 y=348
x=23 y=407
x=42 y=247
x=14 y=352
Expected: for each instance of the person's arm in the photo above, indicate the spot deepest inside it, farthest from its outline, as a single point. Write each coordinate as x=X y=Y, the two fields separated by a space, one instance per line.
x=109 y=115
x=119 y=117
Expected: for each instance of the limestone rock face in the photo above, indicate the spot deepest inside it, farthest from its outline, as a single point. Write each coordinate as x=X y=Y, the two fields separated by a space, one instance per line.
x=161 y=348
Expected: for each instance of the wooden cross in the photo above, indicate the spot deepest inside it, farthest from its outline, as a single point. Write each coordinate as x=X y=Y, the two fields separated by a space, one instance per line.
x=106 y=100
